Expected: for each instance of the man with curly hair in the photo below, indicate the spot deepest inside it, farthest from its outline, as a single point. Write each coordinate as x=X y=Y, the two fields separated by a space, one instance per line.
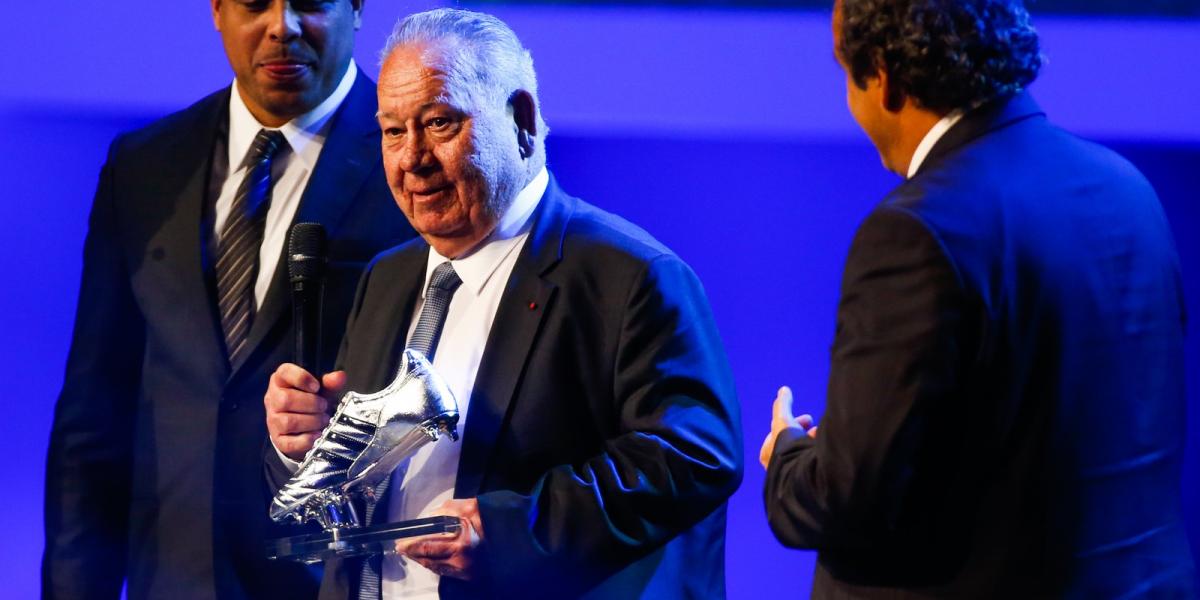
x=1005 y=407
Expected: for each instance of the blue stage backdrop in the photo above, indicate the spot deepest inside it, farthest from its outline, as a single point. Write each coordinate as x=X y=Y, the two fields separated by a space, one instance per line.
x=722 y=132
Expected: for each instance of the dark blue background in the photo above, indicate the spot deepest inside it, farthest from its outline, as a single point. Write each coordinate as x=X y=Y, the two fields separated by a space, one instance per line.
x=723 y=133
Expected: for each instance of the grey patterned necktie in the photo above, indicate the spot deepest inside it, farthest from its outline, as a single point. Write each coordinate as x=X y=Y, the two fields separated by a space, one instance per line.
x=442 y=285
x=237 y=252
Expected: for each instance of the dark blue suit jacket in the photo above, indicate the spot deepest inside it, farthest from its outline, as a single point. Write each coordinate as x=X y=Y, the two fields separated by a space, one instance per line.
x=1005 y=406
x=603 y=436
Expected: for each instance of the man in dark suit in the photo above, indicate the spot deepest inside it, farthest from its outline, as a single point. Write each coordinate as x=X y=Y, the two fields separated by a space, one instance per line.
x=1005 y=405
x=601 y=436
x=154 y=474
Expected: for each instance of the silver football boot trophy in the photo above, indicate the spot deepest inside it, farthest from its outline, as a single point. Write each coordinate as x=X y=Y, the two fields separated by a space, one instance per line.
x=367 y=438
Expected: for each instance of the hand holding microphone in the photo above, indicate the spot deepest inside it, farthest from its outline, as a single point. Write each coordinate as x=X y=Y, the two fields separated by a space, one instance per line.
x=299 y=400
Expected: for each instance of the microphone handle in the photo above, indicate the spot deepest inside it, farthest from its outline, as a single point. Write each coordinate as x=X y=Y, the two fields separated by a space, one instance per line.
x=306 y=321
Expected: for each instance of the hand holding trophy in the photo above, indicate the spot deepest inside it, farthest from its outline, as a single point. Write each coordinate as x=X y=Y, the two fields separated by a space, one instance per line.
x=367 y=438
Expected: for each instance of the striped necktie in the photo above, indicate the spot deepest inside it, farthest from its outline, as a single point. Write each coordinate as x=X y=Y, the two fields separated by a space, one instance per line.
x=237 y=252
x=425 y=336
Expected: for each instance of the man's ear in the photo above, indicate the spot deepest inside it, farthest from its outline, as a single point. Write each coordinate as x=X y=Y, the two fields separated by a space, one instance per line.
x=357 y=7
x=216 y=14
x=524 y=112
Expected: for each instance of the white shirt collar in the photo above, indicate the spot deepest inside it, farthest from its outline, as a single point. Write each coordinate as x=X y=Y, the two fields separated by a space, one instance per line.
x=934 y=134
x=477 y=267
x=300 y=132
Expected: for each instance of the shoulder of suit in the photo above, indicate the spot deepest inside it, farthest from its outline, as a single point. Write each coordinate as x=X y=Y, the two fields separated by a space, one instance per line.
x=593 y=234
x=175 y=127
x=1030 y=158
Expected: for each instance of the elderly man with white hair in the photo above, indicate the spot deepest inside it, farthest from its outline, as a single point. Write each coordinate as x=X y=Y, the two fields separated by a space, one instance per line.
x=600 y=429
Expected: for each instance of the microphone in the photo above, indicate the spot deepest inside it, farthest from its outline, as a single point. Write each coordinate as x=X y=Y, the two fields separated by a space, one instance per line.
x=307 y=247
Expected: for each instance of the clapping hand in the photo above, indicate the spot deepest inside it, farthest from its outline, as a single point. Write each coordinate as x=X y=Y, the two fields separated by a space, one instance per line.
x=782 y=418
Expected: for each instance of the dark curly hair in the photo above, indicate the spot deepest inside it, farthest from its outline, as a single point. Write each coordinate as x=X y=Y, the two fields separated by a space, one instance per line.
x=944 y=54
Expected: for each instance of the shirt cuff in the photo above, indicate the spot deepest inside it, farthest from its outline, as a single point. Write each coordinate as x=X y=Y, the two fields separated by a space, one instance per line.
x=291 y=465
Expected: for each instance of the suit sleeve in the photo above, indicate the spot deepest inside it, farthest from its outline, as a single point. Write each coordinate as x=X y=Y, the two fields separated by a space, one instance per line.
x=88 y=467
x=888 y=440
x=676 y=459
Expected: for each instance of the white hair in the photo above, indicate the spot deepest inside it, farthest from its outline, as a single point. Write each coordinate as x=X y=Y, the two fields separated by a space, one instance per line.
x=482 y=57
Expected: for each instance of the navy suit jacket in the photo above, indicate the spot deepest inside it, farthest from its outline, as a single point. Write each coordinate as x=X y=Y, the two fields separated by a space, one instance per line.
x=154 y=474
x=1005 y=405
x=603 y=436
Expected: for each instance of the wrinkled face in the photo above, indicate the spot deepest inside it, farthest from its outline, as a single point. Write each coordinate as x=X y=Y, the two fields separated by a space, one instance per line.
x=452 y=167
x=288 y=55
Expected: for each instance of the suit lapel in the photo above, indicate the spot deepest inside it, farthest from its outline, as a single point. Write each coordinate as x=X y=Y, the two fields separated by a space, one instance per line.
x=349 y=155
x=527 y=298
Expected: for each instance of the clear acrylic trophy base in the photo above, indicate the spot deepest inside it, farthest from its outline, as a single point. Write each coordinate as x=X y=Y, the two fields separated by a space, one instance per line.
x=356 y=541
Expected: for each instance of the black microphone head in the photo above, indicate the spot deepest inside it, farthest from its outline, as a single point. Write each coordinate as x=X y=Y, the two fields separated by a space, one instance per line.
x=307 y=247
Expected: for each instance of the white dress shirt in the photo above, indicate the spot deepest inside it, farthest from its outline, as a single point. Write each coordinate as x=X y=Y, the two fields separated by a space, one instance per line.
x=290 y=171
x=430 y=477
x=932 y=136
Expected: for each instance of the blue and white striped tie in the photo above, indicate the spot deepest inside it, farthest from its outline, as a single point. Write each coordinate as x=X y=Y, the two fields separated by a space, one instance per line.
x=237 y=252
